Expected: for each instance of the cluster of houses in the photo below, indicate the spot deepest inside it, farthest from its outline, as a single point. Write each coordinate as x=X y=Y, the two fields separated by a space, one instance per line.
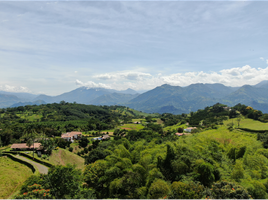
x=74 y=135
x=70 y=136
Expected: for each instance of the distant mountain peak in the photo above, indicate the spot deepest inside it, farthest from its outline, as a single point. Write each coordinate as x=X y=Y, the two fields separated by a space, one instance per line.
x=262 y=84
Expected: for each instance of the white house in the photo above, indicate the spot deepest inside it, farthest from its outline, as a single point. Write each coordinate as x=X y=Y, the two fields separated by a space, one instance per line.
x=189 y=129
x=71 y=136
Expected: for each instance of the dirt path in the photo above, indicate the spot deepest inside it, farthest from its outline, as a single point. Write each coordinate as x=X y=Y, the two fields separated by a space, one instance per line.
x=61 y=162
x=41 y=168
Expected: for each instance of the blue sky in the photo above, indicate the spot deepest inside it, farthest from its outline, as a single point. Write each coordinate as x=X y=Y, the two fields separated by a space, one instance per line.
x=54 y=47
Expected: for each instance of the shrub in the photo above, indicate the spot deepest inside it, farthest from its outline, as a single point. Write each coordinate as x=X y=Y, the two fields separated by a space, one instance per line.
x=226 y=190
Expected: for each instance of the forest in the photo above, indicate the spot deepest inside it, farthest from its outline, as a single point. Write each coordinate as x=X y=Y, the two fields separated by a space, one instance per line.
x=218 y=160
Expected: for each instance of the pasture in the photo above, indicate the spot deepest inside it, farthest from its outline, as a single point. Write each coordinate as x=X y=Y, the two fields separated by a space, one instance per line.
x=248 y=123
x=12 y=174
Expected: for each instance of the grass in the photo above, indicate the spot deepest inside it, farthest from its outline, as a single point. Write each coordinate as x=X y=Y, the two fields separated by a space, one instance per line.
x=227 y=138
x=12 y=174
x=131 y=127
x=175 y=127
x=138 y=120
x=64 y=157
x=248 y=123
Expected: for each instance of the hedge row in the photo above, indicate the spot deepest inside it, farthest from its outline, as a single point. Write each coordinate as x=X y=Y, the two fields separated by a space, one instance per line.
x=21 y=161
x=36 y=159
x=254 y=131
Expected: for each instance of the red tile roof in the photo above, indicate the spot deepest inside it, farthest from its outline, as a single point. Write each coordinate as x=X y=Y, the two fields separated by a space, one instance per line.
x=24 y=146
x=70 y=134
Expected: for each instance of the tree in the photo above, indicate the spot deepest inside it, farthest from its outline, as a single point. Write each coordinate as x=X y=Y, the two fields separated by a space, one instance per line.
x=158 y=189
x=180 y=130
x=180 y=190
x=83 y=142
x=95 y=154
x=226 y=190
x=204 y=172
x=30 y=138
x=61 y=182
x=65 y=181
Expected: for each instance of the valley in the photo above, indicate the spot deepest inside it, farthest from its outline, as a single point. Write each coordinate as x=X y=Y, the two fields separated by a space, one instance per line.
x=146 y=156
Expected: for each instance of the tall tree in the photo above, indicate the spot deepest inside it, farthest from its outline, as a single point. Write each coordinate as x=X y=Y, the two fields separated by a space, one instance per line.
x=30 y=138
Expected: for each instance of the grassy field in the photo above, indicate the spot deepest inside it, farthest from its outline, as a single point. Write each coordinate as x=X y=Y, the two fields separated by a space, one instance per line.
x=131 y=127
x=175 y=127
x=138 y=120
x=248 y=123
x=31 y=117
x=64 y=156
x=12 y=174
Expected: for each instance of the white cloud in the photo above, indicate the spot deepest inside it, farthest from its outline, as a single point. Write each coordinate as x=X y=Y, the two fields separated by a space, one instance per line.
x=130 y=75
x=91 y=84
x=9 y=88
x=261 y=58
x=230 y=77
x=267 y=61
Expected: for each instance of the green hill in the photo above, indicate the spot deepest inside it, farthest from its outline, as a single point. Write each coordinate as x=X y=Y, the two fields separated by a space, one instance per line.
x=64 y=157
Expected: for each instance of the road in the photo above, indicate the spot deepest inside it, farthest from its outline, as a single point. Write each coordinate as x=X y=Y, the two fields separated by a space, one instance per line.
x=41 y=168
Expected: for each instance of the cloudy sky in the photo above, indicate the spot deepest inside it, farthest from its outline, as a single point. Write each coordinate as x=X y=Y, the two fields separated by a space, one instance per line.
x=54 y=47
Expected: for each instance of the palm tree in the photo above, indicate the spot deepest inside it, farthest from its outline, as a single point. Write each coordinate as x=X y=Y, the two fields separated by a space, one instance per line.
x=30 y=137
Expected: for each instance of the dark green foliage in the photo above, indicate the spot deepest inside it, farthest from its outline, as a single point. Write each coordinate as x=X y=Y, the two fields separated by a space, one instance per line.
x=263 y=137
x=155 y=127
x=62 y=143
x=48 y=145
x=95 y=154
x=226 y=190
x=165 y=165
x=180 y=190
x=83 y=142
x=55 y=119
x=204 y=173
x=134 y=135
x=63 y=182
x=250 y=112
x=210 y=116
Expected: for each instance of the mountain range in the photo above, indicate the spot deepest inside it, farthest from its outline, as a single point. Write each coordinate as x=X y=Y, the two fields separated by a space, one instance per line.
x=165 y=98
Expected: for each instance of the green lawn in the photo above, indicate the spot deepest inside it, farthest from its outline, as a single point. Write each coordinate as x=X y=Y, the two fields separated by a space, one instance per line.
x=248 y=123
x=12 y=174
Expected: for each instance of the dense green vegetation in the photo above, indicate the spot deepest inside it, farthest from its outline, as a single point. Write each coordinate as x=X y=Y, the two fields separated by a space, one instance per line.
x=217 y=160
x=54 y=119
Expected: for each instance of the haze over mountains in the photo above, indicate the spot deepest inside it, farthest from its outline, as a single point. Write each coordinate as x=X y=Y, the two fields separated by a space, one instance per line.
x=165 y=98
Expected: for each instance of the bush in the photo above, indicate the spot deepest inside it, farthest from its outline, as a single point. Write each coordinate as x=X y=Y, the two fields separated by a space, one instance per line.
x=71 y=149
x=226 y=190
x=180 y=190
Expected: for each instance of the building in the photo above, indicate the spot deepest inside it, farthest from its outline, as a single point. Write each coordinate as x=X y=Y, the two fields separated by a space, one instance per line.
x=23 y=146
x=71 y=136
x=189 y=129
x=105 y=137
